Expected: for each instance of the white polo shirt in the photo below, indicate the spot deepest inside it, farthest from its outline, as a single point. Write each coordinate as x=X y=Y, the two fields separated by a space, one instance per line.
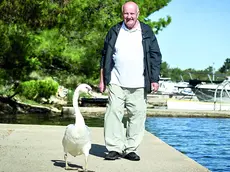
x=129 y=59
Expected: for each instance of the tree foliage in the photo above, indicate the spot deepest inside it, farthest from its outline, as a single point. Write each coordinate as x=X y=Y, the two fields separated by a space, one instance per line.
x=208 y=74
x=226 y=67
x=61 y=38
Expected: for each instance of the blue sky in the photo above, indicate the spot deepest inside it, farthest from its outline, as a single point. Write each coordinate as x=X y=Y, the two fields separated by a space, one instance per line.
x=199 y=34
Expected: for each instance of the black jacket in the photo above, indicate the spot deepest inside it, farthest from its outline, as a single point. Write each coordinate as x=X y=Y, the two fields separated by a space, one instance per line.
x=152 y=54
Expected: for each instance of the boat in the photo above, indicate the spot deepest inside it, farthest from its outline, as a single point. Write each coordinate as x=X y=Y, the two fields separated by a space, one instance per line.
x=176 y=104
x=168 y=87
x=211 y=92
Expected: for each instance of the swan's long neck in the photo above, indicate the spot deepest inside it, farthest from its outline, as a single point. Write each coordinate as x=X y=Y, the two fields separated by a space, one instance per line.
x=79 y=120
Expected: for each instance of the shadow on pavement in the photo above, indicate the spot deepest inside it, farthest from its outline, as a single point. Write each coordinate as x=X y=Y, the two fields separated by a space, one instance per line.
x=98 y=150
x=61 y=163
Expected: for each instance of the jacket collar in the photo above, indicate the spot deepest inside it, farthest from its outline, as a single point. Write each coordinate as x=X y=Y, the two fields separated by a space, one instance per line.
x=118 y=27
x=145 y=29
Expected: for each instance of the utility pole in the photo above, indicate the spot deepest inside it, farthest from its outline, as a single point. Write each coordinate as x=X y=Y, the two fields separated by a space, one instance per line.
x=213 y=71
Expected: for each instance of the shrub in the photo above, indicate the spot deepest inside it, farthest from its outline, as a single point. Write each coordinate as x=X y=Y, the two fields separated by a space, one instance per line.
x=29 y=89
x=47 y=87
x=35 y=89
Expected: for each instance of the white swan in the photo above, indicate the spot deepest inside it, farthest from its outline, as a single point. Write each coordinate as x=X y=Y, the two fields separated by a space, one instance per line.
x=76 y=140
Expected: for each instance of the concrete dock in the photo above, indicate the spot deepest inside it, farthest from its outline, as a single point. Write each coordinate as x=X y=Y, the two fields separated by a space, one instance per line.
x=25 y=148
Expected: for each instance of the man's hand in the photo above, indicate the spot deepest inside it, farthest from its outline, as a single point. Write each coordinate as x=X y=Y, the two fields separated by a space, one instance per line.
x=154 y=86
x=102 y=87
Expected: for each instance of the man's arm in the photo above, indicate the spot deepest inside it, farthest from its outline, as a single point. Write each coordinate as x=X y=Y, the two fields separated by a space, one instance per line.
x=155 y=59
x=102 y=62
x=101 y=84
x=155 y=62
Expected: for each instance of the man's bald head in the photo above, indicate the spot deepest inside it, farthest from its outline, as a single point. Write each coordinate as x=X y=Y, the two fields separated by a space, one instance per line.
x=130 y=3
x=130 y=12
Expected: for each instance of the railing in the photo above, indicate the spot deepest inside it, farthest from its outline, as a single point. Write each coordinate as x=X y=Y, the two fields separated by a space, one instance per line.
x=223 y=88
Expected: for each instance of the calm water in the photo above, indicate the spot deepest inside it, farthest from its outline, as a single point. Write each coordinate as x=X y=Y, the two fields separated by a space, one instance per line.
x=206 y=140
x=42 y=119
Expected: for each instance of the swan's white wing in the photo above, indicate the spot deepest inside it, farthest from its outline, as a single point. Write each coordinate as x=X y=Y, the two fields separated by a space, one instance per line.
x=75 y=140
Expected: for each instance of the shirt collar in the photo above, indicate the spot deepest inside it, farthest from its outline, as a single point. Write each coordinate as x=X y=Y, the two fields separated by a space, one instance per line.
x=138 y=28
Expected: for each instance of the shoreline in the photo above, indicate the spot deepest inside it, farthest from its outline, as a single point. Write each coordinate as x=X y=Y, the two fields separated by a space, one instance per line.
x=156 y=108
x=100 y=111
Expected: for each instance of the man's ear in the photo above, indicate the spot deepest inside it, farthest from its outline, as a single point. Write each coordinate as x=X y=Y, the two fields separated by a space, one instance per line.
x=138 y=13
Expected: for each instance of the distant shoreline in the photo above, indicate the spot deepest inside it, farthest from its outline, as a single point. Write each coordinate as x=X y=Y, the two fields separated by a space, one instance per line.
x=100 y=111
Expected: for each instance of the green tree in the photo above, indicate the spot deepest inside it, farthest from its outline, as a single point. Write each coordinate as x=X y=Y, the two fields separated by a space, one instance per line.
x=176 y=74
x=226 y=66
x=61 y=38
x=165 y=69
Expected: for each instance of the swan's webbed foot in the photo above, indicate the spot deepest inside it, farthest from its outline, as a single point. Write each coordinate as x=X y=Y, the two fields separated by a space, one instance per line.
x=67 y=167
x=86 y=164
x=66 y=163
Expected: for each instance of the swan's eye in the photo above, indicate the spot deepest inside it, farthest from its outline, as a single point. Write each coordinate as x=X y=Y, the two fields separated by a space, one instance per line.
x=86 y=89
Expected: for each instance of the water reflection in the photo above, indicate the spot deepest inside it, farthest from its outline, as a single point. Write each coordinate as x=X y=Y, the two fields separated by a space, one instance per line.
x=44 y=119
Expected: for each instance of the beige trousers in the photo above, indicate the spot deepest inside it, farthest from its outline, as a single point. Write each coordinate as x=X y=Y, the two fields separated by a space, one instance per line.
x=116 y=137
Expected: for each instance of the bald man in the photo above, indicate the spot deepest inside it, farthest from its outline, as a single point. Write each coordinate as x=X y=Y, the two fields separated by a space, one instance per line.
x=130 y=68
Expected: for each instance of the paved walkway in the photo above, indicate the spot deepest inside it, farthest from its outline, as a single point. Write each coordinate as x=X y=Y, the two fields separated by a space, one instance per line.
x=25 y=148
